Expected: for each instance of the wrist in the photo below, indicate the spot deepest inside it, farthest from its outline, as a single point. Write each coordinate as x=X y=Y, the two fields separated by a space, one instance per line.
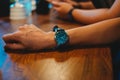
x=51 y=41
x=61 y=37
x=70 y=14
x=77 y=5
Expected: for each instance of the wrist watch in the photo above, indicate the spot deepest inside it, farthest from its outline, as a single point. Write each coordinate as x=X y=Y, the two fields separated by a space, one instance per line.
x=70 y=16
x=61 y=37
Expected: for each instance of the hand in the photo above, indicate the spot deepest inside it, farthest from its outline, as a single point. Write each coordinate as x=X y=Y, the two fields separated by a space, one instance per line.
x=62 y=7
x=29 y=37
x=52 y=0
x=73 y=3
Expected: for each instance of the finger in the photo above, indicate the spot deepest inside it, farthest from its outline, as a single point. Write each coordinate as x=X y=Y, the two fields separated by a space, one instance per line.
x=23 y=27
x=63 y=0
x=14 y=46
x=11 y=38
x=32 y=26
x=55 y=3
x=26 y=27
x=66 y=0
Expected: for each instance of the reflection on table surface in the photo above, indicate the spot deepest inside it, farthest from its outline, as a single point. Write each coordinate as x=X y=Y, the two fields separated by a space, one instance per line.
x=75 y=63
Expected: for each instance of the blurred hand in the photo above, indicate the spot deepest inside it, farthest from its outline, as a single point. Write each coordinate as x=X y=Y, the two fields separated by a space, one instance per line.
x=62 y=7
x=28 y=37
x=73 y=3
x=52 y=0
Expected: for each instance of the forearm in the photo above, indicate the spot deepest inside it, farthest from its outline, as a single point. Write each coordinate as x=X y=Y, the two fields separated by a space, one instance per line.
x=90 y=16
x=104 y=32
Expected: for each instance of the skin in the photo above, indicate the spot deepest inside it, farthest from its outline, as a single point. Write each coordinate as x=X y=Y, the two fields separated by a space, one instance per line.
x=71 y=4
x=82 y=5
x=25 y=36
x=29 y=37
x=85 y=5
x=88 y=16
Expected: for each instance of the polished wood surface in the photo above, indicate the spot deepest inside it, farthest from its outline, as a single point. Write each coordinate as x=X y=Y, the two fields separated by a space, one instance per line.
x=92 y=63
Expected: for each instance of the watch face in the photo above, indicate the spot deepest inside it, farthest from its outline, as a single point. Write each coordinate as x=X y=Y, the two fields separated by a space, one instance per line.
x=61 y=37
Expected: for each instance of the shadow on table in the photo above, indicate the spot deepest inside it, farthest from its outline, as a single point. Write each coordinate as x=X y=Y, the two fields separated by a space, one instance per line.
x=60 y=55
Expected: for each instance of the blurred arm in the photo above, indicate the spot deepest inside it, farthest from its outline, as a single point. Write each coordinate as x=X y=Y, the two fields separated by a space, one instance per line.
x=92 y=16
x=104 y=32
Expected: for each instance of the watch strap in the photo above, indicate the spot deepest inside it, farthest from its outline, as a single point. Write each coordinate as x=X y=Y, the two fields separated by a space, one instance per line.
x=70 y=16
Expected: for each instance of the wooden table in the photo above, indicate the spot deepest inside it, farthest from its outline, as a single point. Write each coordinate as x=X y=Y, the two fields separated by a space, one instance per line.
x=93 y=63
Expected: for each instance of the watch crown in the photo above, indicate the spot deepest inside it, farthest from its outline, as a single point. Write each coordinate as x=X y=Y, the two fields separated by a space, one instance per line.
x=55 y=28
